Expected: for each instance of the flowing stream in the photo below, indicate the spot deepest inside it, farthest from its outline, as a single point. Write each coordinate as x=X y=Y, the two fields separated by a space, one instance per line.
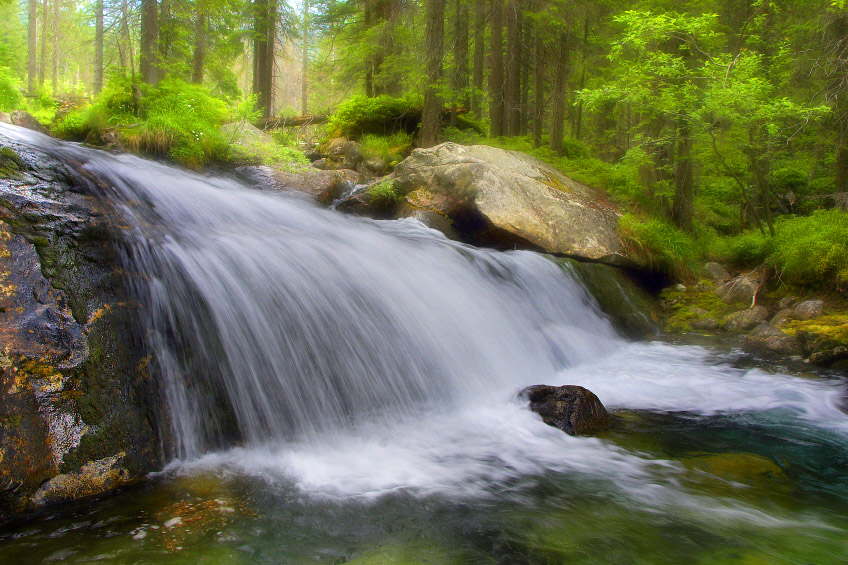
x=344 y=390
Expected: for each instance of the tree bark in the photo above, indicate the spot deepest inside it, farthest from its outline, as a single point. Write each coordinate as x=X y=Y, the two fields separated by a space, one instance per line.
x=435 y=34
x=479 y=57
x=538 y=87
x=558 y=99
x=32 y=47
x=98 y=46
x=496 y=74
x=524 y=103
x=305 y=62
x=512 y=93
x=265 y=33
x=198 y=58
x=165 y=32
x=149 y=41
x=460 y=54
x=684 y=195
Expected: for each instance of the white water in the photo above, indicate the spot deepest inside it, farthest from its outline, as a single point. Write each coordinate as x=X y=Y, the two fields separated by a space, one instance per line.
x=354 y=358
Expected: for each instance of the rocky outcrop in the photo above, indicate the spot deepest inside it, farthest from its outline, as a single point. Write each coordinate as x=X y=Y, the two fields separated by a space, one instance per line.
x=572 y=409
x=74 y=383
x=323 y=186
x=505 y=199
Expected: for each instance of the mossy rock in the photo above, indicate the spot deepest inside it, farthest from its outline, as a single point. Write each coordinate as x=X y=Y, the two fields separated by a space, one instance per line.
x=11 y=163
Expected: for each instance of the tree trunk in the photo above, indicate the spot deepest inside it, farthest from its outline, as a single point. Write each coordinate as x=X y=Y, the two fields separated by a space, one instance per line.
x=125 y=31
x=42 y=67
x=479 y=57
x=305 y=61
x=496 y=75
x=32 y=48
x=198 y=59
x=265 y=33
x=165 y=31
x=512 y=94
x=578 y=114
x=369 y=63
x=684 y=192
x=98 y=47
x=558 y=99
x=149 y=41
x=460 y=54
x=524 y=103
x=435 y=34
x=54 y=79
x=538 y=87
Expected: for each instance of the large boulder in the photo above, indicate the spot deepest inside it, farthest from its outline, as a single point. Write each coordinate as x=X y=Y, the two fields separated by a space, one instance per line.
x=506 y=198
x=75 y=390
x=739 y=289
x=746 y=319
x=766 y=339
x=716 y=271
x=572 y=409
x=809 y=309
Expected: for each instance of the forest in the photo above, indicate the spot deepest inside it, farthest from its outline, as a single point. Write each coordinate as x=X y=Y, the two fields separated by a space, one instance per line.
x=719 y=128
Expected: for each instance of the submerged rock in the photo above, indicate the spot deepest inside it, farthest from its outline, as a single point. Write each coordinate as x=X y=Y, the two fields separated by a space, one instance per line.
x=570 y=408
x=506 y=199
x=323 y=185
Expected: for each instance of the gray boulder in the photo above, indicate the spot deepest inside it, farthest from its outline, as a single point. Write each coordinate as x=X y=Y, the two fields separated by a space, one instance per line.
x=716 y=271
x=782 y=317
x=809 y=309
x=507 y=199
x=786 y=302
x=739 y=289
x=572 y=409
x=324 y=186
x=746 y=319
x=349 y=153
x=766 y=339
x=705 y=324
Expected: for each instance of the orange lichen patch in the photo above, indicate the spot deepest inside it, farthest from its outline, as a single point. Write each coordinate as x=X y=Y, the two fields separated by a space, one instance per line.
x=185 y=523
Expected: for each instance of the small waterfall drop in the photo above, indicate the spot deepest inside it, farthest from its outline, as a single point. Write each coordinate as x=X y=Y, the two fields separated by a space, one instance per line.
x=272 y=319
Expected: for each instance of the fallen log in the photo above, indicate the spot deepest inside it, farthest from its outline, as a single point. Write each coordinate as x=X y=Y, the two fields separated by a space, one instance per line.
x=408 y=121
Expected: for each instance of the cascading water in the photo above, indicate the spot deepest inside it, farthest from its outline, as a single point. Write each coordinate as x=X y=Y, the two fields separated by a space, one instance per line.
x=349 y=359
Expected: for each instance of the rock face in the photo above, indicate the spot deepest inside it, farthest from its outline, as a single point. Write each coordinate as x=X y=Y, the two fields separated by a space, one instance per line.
x=74 y=384
x=505 y=198
x=572 y=409
x=325 y=186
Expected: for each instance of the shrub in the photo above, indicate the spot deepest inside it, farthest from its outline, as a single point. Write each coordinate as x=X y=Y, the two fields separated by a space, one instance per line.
x=390 y=148
x=383 y=194
x=813 y=249
x=10 y=93
x=380 y=114
x=748 y=248
x=659 y=244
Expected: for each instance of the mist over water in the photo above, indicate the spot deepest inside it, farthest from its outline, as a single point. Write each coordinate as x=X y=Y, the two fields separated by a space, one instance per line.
x=347 y=359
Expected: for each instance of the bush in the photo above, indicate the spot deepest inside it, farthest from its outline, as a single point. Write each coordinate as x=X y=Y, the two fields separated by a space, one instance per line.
x=390 y=148
x=381 y=114
x=658 y=244
x=383 y=194
x=10 y=92
x=748 y=248
x=813 y=249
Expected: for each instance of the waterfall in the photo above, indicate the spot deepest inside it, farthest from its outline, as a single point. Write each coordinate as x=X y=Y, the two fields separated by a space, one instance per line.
x=272 y=319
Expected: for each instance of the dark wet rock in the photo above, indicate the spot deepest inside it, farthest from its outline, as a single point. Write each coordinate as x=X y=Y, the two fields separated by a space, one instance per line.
x=506 y=199
x=634 y=311
x=572 y=409
x=782 y=317
x=829 y=357
x=746 y=319
x=716 y=271
x=766 y=339
x=312 y=154
x=324 y=186
x=435 y=221
x=739 y=289
x=705 y=325
x=93 y=478
x=809 y=309
x=74 y=384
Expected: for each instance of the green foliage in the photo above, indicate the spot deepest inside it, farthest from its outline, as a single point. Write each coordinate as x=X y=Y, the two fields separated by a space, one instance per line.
x=10 y=93
x=381 y=114
x=659 y=244
x=383 y=194
x=752 y=247
x=813 y=250
x=391 y=148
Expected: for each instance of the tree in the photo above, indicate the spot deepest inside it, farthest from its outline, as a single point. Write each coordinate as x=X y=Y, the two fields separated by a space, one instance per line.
x=479 y=57
x=264 y=38
x=149 y=41
x=98 y=47
x=32 y=32
x=496 y=72
x=431 y=116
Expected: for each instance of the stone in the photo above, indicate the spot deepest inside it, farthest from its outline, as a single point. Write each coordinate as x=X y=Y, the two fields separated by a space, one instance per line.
x=739 y=289
x=93 y=478
x=506 y=199
x=374 y=166
x=74 y=383
x=786 y=302
x=782 y=317
x=715 y=271
x=809 y=309
x=828 y=357
x=746 y=319
x=325 y=164
x=705 y=324
x=26 y=120
x=766 y=339
x=680 y=288
x=572 y=409
x=349 y=152
x=323 y=186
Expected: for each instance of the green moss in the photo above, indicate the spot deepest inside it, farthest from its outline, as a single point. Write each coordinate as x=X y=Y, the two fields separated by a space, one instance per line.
x=10 y=163
x=390 y=148
x=688 y=307
x=384 y=194
x=832 y=328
